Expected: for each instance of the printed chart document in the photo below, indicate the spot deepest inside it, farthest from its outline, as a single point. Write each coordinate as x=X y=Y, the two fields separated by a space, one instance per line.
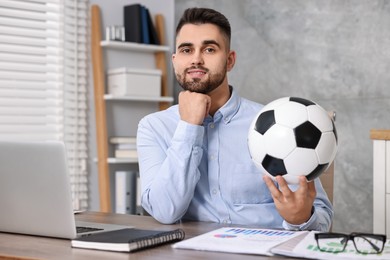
x=307 y=248
x=238 y=240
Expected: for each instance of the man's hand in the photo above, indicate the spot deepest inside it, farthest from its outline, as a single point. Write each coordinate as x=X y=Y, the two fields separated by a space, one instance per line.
x=294 y=207
x=193 y=107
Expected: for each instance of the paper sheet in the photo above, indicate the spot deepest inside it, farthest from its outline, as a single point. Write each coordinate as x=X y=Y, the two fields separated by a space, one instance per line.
x=238 y=240
x=307 y=248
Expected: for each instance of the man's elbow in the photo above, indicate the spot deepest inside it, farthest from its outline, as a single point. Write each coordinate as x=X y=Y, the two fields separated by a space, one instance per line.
x=167 y=218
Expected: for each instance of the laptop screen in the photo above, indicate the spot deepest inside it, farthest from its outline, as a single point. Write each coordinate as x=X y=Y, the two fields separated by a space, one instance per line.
x=35 y=196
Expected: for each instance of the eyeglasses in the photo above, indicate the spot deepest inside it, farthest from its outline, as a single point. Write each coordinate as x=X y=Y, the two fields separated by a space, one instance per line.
x=364 y=243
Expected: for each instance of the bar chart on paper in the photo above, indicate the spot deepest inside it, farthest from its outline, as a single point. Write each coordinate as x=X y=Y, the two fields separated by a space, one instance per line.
x=238 y=240
x=258 y=233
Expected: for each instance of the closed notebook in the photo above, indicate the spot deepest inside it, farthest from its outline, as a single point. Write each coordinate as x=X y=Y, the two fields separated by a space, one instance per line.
x=128 y=240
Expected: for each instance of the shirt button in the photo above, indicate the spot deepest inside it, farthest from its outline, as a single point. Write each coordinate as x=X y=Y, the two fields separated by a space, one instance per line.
x=225 y=221
x=211 y=125
x=214 y=191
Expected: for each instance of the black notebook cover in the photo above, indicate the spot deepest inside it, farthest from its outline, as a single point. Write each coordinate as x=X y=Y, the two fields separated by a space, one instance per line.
x=128 y=240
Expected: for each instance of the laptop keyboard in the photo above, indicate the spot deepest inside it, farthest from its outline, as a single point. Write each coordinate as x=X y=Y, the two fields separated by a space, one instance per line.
x=81 y=230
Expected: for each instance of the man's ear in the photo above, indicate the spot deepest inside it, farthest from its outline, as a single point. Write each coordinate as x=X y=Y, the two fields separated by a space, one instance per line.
x=173 y=59
x=231 y=60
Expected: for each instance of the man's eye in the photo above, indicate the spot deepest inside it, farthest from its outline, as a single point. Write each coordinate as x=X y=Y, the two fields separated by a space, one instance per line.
x=209 y=50
x=185 y=50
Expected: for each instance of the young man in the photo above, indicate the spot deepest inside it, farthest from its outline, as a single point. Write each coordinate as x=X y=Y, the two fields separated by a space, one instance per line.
x=193 y=157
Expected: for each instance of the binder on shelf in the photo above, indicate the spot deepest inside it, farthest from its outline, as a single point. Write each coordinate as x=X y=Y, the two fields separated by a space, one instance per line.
x=128 y=240
x=145 y=28
x=132 y=23
x=125 y=192
x=139 y=25
x=152 y=29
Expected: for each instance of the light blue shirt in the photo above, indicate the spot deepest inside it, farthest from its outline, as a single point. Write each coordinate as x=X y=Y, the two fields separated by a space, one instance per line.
x=205 y=173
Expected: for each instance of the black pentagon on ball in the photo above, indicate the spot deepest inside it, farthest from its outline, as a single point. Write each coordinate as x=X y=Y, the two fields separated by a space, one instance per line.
x=264 y=121
x=317 y=171
x=302 y=101
x=307 y=135
x=274 y=166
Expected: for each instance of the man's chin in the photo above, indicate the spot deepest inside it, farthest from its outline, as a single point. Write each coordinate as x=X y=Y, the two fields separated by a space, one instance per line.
x=198 y=88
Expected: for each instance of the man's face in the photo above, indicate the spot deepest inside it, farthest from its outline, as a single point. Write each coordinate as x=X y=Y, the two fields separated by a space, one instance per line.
x=202 y=58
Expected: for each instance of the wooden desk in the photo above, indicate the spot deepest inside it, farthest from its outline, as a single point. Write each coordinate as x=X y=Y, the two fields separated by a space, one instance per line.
x=31 y=247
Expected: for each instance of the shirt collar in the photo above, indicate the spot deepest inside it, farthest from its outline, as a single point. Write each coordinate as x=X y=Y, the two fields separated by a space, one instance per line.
x=229 y=110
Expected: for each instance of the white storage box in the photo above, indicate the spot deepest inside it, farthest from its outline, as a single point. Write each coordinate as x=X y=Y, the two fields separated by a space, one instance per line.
x=134 y=82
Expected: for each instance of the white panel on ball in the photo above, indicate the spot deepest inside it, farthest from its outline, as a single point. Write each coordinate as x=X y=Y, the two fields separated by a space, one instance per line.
x=301 y=161
x=279 y=136
x=274 y=104
x=291 y=114
x=326 y=148
x=256 y=147
x=320 y=118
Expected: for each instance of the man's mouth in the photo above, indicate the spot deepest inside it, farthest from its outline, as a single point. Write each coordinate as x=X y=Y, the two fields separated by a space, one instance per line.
x=196 y=73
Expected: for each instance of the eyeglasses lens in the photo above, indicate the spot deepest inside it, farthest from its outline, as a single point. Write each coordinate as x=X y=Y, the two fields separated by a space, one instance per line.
x=368 y=244
x=332 y=243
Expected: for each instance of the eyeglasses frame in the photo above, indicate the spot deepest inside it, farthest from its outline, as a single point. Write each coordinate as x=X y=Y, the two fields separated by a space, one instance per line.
x=352 y=236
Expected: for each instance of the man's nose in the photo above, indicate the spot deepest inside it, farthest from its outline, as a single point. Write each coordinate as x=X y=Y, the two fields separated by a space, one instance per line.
x=197 y=58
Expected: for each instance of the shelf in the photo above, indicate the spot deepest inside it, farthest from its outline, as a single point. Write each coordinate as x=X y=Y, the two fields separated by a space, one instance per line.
x=131 y=46
x=138 y=98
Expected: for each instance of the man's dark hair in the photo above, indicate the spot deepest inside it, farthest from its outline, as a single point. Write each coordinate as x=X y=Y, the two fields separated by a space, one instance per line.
x=205 y=15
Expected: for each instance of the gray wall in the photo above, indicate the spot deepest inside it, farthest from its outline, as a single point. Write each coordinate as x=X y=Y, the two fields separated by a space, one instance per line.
x=336 y=53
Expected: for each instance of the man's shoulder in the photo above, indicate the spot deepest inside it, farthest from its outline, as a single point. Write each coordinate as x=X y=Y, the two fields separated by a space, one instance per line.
x=168 y=114
x=250 y=104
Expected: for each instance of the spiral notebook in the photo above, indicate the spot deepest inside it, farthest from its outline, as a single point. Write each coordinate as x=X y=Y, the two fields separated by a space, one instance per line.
x=128 y=240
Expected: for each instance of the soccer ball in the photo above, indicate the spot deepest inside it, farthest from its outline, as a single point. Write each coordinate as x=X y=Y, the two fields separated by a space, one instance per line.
x=292 y=136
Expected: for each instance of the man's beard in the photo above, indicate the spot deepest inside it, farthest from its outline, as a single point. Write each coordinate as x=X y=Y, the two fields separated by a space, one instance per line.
x=196 y=84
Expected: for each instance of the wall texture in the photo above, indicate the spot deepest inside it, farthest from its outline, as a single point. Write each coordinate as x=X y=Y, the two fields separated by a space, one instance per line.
x=336 y=53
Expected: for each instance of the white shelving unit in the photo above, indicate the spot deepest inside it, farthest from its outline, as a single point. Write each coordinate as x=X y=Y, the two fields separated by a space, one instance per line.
x=127 y=110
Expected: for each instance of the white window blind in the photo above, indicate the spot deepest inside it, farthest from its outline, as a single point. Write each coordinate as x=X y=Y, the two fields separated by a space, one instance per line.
x=43 y=78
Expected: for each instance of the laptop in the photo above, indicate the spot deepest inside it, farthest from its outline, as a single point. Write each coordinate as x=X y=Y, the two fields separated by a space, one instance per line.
x=35 y=195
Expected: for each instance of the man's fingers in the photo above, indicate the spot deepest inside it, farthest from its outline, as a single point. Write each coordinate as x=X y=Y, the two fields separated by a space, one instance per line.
x=272 y=187
x=312 y=188
x=284 y=187
x=303 y=184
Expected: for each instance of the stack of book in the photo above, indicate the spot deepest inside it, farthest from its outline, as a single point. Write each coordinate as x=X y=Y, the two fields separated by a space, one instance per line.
x=138 y=25
x=125 y=147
